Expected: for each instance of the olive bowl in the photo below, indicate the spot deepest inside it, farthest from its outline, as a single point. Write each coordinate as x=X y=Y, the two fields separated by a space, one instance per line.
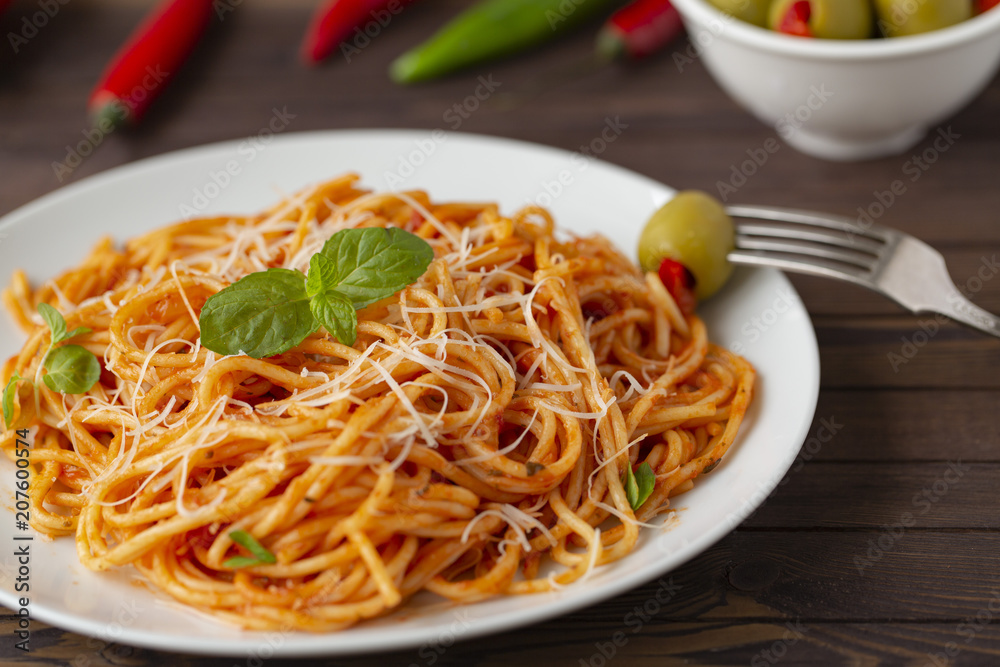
x=845 y=99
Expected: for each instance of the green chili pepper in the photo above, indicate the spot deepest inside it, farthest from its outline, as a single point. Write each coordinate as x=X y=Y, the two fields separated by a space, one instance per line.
x=491 y=29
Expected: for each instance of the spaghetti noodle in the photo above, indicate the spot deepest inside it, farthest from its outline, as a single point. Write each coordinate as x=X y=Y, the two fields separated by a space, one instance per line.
x=473 y=439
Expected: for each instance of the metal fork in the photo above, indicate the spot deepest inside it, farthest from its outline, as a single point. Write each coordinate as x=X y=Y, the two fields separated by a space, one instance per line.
x=892 y=263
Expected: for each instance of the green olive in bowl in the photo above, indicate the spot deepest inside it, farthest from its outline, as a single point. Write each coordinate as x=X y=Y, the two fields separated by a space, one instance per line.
x=825 y=19
x=899 y=18
x=751 y=11
x=694 y=229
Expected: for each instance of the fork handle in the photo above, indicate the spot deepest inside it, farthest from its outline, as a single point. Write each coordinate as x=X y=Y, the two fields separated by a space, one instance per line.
x=959 y=308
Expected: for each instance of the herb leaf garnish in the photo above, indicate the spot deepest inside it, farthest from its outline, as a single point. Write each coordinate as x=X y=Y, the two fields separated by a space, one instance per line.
x=375 y=262
x=322 y=274
x=262 y=314
x=247 y=541
x=57 y=325
x=639 y=486
x=272 y=311
x=8 y=398
x=71 y=369
x=337 y=315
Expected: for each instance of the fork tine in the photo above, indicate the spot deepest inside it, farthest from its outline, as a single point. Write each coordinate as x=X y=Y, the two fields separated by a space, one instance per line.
x=811 y=266
x=805 y=233
x=791 y=247
x=796 y=216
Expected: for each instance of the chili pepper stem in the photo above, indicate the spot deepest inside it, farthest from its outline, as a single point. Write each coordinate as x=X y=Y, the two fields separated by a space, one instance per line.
x=610 y=45
x=109 y=114
x=407 y=69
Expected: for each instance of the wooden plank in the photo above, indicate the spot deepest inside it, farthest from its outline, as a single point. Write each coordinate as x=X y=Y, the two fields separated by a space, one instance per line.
x=834 y=575
x=570 y=642
x=905 y=352
x=953 y=495
x=906 y=425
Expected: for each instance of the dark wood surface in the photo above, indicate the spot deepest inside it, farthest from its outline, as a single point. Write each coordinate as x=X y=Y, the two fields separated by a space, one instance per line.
x=787 y=585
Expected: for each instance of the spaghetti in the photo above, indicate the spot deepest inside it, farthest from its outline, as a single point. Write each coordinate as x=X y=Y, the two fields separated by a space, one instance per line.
x=472 y=442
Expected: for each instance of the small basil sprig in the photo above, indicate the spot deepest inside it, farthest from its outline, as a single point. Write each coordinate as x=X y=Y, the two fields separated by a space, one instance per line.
x=70 y=369
x=8 y=398
x=272 y=311
x=57 y=325
x=246 y=540
x=639 y=486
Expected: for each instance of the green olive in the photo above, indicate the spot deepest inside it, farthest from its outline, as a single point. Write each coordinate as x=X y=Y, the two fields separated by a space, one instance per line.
x=693 y=229
x=898 y=18
x=825 y=19
x=751 y=11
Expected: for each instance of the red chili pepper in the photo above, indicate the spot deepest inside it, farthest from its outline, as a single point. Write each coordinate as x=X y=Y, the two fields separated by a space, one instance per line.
x=144 y=65
x=335 y=20
x=680 y=283
x=796 y=19
x=639 y=29
x=985 y=5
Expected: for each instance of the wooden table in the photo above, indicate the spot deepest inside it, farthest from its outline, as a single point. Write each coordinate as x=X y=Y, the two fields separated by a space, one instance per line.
x=787 y=585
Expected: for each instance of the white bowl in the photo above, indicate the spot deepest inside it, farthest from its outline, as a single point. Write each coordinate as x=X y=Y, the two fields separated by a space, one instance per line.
x=845 y=99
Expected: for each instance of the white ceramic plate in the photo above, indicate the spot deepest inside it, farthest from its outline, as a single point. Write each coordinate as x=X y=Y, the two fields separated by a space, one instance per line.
x=759 y=312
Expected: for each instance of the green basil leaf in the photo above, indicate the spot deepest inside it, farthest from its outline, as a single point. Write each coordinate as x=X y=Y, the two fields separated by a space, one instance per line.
x=250 y=543
x=9 y=392
x=262 y=314
x=71 y=369
x=375 y=262
x=322 y=275
x=645 y=483
x=532 y=467
x=631 y=488
x=54 y=320
x=57 y=324
x=337 y=314
x=236 y=562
